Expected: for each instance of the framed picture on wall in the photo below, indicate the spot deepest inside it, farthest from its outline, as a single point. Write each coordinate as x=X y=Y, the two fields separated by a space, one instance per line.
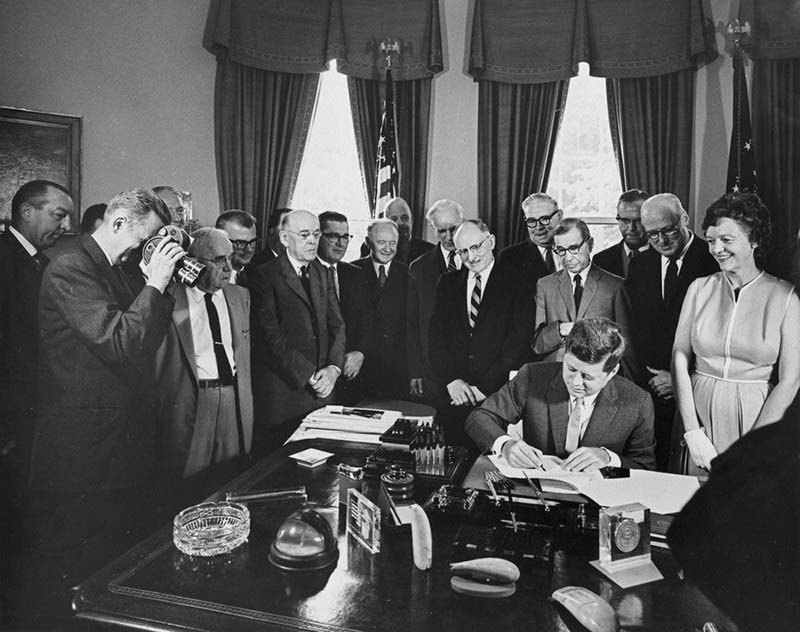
x=39 y=145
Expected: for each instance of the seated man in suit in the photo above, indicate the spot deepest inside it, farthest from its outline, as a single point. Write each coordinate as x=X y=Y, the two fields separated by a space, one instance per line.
x=533 y=258
x=385 y=367
x=445 y=216
x=579 y=410
x=479 y=331
x=350 y=284
x=240 y=227
x=634 y=240
x=298 y=334
x=203 y=369
x=580 y=290
x=408 y=246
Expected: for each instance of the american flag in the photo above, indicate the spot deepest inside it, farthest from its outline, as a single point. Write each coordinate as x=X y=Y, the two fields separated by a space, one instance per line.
x=741 y=161
x=386 y=165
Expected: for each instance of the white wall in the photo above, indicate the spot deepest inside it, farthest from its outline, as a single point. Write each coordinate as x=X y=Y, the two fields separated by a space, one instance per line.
x=137 y=73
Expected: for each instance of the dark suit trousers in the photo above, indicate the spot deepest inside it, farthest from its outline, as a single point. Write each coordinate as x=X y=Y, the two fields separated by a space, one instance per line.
x=664 y=418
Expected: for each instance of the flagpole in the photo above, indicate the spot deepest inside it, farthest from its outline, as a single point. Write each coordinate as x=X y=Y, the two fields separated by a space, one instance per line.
x=386 y=167
x=741 y=161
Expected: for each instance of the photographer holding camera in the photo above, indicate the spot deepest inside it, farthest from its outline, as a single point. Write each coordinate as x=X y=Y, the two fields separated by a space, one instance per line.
x=93 y=457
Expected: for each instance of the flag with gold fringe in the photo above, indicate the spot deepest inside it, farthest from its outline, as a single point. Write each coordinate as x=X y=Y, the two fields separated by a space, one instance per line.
x=386 y=164
x=741 y=160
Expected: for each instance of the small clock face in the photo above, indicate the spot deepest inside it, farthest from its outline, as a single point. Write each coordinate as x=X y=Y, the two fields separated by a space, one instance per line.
x=627 y=535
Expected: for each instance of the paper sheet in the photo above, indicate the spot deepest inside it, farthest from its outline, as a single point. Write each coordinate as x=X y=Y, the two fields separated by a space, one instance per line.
x=552 y=472
x=662 y=493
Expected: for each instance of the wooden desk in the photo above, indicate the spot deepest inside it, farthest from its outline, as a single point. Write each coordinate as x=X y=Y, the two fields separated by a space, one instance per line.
x=155 y=587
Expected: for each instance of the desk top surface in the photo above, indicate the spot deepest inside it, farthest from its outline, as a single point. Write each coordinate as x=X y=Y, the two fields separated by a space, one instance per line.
x=155 y=587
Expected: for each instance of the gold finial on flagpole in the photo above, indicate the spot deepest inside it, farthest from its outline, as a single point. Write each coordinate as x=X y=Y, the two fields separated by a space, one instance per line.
x=738 y=35
x=389 y=46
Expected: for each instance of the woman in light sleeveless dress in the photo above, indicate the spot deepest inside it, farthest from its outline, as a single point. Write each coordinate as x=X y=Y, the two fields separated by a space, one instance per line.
x=736 y=357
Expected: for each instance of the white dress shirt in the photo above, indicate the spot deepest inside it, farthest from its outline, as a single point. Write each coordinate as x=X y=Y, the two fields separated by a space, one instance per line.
x=484 y=281
x=679 y=260
x=205 y=361
x=376 y=265
x=29 y=247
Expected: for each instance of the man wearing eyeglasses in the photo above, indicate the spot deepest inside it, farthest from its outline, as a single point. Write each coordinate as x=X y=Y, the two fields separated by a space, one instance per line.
x=445 y=216
x=617 y=258
x=408 y=246
x=534 y=258
x=240 y=226
x=580 y=290
x=350 y=285
x=203 y=371
x=298 y=334
x=386 y=365
x=479 y=330
x=656 y=286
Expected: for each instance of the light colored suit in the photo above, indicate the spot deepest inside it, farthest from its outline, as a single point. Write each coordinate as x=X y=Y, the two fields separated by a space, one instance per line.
x=555 y=303
x=622 y=420
x=178 y=385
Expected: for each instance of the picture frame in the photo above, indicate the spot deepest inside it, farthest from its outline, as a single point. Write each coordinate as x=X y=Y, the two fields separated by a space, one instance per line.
x=39 y=145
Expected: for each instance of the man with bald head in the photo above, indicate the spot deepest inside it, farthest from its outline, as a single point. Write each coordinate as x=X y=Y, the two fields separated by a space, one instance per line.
x=533 y=258
x=480 y=329
x=656 y=286
x=445 y=216
x=203 y=368
x=408 y=246
x=298 y=334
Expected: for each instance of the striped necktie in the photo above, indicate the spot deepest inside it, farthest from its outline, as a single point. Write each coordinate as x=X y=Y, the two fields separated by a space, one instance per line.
x=451 y=261
x=475 y=302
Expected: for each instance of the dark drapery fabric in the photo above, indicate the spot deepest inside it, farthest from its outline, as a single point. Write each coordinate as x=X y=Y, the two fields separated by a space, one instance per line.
x=261 y=120
x=517 y=129
x=301 y=36
x=651 y=129
x=774 y=28
x=534 y=42
x=412 y=111
x=776 y=142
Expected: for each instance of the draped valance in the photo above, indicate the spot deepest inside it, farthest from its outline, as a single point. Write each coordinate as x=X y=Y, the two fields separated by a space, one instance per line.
x=301 y=36
x=774 y=28
x=536 y=42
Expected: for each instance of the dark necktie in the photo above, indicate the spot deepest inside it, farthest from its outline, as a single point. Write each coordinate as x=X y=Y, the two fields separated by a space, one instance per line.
x=40 y=260
x=578 y=293
x=475 y=302
x=241 y=278
x=451 y=261
x=671 y=280
x=306 y=282
x=332 y=280
x=224 y=371
x=381 y=275
x=549 y=261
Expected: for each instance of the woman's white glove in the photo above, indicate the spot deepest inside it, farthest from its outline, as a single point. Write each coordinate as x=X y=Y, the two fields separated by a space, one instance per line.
x=700 y=447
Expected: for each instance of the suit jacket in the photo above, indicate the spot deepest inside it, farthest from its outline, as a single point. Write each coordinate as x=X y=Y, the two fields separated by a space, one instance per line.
x=654 y=321
x=386 y=364
x=423 y=277
x=498 y=343
x=613 y=259
x=177 y=379
x=555 y=301
x=525 y=258
x=292 y=339
x=622 y=420
x=95 y=428
x=20 y=279
x=261 y=257
x=406 y=251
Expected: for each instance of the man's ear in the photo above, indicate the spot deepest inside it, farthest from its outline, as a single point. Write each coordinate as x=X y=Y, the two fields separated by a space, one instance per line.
x=25 y=210
x=613 y=371
x=118 y=223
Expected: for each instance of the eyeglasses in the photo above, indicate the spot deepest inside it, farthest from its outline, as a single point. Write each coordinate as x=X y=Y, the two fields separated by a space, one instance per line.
x=305 y=234
x=336 y=237
x=446 y=231
x=573 y=250
x=219 y=262
x=473 y=249
x=665 y=233
x=625 y=221
x=543 y=221
x=241 y=244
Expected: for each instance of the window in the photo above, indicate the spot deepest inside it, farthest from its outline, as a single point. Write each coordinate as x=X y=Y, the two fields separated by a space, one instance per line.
x=330 y=176
x=584 y=178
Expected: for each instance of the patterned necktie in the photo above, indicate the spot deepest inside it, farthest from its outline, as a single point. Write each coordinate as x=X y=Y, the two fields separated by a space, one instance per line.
x=332 y=280
x=306 y=283
x=451 y=262
x=671 y=280
x=549 y=261
x=475 y=302
x=224 y=371
x=40 y=260
x=574 y=426
x=578 y=294
x=382 y=275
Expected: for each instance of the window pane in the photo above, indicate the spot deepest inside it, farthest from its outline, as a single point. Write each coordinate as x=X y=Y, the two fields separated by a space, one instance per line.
x=584 y=178
x=330 y=177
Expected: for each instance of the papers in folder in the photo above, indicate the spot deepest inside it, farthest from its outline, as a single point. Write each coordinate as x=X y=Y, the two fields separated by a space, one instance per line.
x=343 y=423
x=662 y=493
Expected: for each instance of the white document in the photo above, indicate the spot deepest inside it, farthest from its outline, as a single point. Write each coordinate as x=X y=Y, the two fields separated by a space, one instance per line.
x=662 y=493
x=553 y=478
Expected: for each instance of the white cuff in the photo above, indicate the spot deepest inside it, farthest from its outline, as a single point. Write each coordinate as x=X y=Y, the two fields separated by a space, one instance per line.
x=497 y=446
x=614 y=460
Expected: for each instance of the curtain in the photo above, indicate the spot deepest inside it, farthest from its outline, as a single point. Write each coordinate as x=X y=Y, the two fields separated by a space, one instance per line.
x=261 y=120
x=651 y=130
x=517 y=129
x=412 y=111
x=776 y=142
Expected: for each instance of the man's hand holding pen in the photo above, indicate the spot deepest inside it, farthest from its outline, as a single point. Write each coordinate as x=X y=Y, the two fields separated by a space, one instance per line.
x=520 y=454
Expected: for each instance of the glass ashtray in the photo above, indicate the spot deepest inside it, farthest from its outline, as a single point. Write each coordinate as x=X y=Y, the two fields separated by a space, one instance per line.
x=211 y=528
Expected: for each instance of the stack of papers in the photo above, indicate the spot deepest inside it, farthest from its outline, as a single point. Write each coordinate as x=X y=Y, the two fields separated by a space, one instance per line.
x=342 y=423
x=311 y=457
x=553 y=478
